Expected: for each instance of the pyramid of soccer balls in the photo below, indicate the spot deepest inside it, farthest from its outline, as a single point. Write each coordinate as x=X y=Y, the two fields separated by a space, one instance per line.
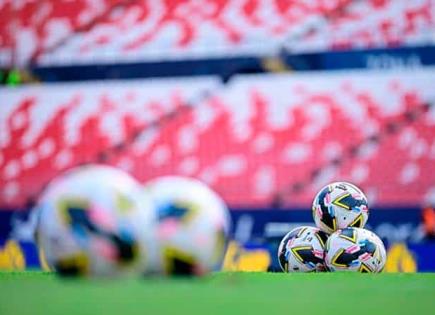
x=99 y=221
x=339 y=242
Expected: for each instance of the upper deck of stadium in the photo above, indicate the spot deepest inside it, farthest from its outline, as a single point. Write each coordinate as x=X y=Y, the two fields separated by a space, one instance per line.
x=115 y=31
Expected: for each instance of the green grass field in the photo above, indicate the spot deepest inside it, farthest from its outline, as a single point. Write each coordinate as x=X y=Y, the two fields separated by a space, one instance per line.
x=223 y=293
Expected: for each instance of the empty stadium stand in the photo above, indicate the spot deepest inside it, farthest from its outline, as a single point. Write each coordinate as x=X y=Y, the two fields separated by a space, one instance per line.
x=107 y=31
x=258 y=139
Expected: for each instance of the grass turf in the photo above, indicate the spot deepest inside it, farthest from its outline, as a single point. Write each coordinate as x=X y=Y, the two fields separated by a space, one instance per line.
x=222 y=293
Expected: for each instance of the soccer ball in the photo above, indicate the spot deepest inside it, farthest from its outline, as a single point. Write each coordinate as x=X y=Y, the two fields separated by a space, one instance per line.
x=340 y=205
x=355 y=249
x=193 y=225
x=94 y=221
x=302 y=250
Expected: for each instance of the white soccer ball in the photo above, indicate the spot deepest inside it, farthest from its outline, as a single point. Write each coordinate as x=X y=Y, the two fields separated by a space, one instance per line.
x=355 y=249
x=193 y=225
x=93 y=220
x=302 y=250
x=340 y=205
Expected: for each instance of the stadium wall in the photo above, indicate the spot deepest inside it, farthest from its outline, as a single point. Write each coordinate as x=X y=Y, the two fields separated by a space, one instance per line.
x=228 y=66
x=255 y=238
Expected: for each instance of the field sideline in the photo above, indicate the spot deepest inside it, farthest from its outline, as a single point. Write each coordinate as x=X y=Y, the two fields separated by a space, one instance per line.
x=221 y=293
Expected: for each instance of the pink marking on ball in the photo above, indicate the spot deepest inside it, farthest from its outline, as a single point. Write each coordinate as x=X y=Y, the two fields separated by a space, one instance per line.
x=318 y=253
x=102 y=218
x=319 y=211
x=352 y=249
x=357 y=196
x=365 y=256
x=167 y=229
x=105 y=249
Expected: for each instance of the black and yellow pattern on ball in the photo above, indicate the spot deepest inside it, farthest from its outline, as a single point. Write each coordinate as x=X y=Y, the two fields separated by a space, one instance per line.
x=281 y=255
x=348 y=202
x=358 y=222
x=327 y=219
x=75 y=213
x=364 y=268
x=299 y=251
x=177 y=262
x=305 y=255
x=286 y=267
x=66 y=205
x=322 y=237
x=74 y=265
x=301 y=232
x=338 y=262
x=339 y=202
x=348 y=234
x=344 y=259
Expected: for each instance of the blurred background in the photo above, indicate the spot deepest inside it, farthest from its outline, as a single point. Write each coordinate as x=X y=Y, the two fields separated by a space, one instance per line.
x=266 y=101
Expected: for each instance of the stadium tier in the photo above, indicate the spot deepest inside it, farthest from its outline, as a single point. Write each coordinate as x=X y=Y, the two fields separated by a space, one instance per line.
x=74 y=32
x=257 y=140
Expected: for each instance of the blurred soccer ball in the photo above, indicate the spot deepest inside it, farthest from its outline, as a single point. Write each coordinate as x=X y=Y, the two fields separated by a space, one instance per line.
x=193 y=225
x=302 y=250
x=93 y=220
x=340 y=205
x=355 y=249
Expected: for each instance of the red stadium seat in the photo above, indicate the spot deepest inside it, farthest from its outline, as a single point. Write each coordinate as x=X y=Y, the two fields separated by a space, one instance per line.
x=73 y=32
x=261 y=136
